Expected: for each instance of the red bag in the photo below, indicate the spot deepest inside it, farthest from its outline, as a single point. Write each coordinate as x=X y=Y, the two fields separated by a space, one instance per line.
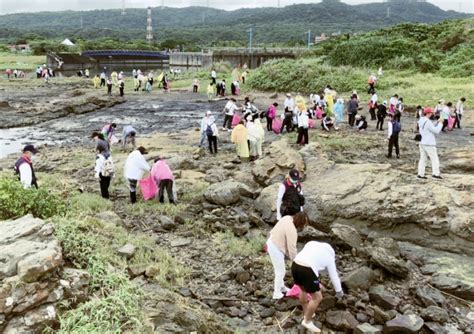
x=276 y=125
x=148 y=188
x=311 y=123
x=235 y=120
x=294 y=292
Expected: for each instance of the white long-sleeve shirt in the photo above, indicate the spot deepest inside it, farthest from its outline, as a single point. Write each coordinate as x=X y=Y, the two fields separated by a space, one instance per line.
x=281 y=193
x=389 y=129
x=303 y=120
x=320 y=256
x=374 y=99
x=230 y=108
x=26 y=175
x=289 y=103
x=135 y=166
x=204 y=124
x=460 y=107
x=428 y=131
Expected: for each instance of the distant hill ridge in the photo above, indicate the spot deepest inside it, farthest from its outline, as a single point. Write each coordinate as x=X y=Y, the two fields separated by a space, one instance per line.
x=206 y=26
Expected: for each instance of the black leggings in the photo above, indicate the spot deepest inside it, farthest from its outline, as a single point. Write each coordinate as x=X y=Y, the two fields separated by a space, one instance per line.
x=352 y=118
x=269 y=124
x=380 y=120
x=168 y=185
x=445 y=125
x=393 y=141
x=288 y=122
x=212 y=143
x=302 y=136
x=104 y=185
x=228 y=121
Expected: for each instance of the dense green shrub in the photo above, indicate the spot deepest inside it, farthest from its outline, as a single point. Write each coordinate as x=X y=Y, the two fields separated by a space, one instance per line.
x=16 y=201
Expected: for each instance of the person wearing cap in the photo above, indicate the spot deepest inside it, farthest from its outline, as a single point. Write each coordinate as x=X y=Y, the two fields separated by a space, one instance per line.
x=393 y=130
x=24 y=167
x=282 y=243
x=289 y=102
x=229 y=110
x=393 y=103
x=290 y=199
x=381 y=114
x=314 y=258
x=428 y=144
x=361 y=123
x=128 y=136
x=439 y=108
x=211 y=132
x=133 y=170
x=164 y=179
x=104 y=170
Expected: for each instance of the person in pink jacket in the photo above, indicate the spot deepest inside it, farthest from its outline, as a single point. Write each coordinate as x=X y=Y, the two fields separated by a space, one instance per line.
x=164 y=179
x=271 y=114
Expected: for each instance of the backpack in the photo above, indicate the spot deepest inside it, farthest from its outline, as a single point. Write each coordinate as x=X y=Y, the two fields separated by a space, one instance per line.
x=292 y=200
x=397 y=127
x=108 y=168
x=209 y=131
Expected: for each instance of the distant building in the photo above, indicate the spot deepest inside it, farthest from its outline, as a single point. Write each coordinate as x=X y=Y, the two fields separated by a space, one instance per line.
x=20 y=47
x=319 y=39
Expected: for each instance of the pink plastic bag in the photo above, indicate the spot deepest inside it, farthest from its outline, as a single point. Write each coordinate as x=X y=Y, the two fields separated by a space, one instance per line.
x=235 y=120
x=276 y=125
x=148 y=188
x=311 y=123
x=237 y=91
x=451 y=122
x=294 y=292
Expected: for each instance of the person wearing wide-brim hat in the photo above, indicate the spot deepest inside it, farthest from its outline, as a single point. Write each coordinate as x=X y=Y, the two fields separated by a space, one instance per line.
x=24 y=167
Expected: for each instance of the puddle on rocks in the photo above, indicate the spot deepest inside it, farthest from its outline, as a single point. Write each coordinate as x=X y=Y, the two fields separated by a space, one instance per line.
x=146 y=117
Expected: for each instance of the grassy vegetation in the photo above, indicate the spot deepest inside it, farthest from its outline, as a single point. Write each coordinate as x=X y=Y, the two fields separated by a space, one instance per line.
x=234 y=245
x=20 y=61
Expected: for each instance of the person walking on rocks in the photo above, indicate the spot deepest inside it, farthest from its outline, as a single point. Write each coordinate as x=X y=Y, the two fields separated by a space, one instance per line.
x=381 y=114
x=102 y=79
x=210 y=91
x=373 y=106
x=314 y=257
x=352 y=109
x=290 y=199
x=128 y=136
x=271 y=114
x=239 y=138
x=164 y=179
x=104 y=171
x=102 y=145
x=394 y=128
x=121 y=85
x=459 y=112
x=428 y=144
x=108 y=132
x=212 y=133
x=229 y=110
x=282 y=243
x=24 y=167
x=135 y=166
x=213 y=77
x=303 y=126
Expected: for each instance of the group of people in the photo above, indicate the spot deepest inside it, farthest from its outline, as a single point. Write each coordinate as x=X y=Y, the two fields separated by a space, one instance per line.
x=104 y=80
x=14 y=73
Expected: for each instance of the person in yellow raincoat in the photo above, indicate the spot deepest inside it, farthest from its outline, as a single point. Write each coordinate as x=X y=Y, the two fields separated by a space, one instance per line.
x=239 y=138
x=235 y=74
x=329 y=102
x=210 y=91
x=114 y=76
x=96 y=81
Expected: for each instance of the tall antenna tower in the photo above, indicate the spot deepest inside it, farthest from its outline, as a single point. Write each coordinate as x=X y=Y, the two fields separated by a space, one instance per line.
x=82 y=23
x=162 y=4
x=149 y=27
x=278 y=3
x=388 y=12
x=123 y=7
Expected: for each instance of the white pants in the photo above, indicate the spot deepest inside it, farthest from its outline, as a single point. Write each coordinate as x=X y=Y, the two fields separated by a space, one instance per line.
x=278 y=261
x=431 y=152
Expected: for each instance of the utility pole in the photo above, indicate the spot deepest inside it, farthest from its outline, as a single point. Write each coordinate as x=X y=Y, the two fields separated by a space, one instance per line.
x=82 y=22
x=278 y=3
x=123 y=7
x=250 y=31
x=309 y=38
x=149 y=27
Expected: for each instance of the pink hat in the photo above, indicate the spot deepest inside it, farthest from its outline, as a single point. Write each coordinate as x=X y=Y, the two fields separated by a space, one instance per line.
x=427 y=110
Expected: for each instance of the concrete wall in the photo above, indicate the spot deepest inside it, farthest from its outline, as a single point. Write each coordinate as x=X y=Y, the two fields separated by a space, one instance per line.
x=190 y=60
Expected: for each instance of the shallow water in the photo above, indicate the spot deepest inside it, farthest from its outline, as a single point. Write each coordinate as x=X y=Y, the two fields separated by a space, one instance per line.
x=145 y=116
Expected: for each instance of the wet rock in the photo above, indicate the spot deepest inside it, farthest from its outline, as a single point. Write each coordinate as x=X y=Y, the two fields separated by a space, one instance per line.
x=310 y=233
x=389 y=244
x=167 y=223
x=34 y=321
x=240 y=229
x=380 y=297
x=341 y=320
x=360 y=278
x=327 y=303
x=404 y=324
x=268 y=312
x=181 y=242
x=346 y=236
x=266 y=203
x=227 y=192
x=429 y=296
x=435 y=313
x=382 y=258
x=463 y=289
x=367 y=328
x=185 y=292
x=380 y=316
x=263 y=170
x=362 y=317
x=435 y=328
x=76 y=284
x=127 y=251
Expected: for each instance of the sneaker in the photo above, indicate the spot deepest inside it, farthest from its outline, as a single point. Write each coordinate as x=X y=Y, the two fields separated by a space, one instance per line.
x=421 y=177
x=278 y=295
x=310 y=326
x=437 y=177
x=398 y=156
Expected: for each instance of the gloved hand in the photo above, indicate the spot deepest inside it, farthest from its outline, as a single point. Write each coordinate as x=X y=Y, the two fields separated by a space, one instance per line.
x=339 y=294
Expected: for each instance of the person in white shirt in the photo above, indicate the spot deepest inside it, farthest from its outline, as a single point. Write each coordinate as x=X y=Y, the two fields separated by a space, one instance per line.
x=373 y=106
x=314 y=98
x=229 y=110
x=392 y=104
x=103 y=76
x=459 y=112
x=428 y=144
x=289 y=102
x=303 y=125
x=445 y=115
x=135 y=166
x=314 y=258
x=24 y=167
x=203 y=129
x=214 y=77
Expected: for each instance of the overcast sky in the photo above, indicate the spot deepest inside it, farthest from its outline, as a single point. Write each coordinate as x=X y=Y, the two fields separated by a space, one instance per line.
x=16 y=6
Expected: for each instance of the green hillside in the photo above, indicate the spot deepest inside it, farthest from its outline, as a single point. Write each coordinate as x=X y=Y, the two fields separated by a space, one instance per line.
x=199 y=26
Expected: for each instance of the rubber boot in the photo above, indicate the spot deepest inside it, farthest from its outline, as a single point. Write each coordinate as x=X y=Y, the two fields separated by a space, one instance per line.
x=133 y=197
